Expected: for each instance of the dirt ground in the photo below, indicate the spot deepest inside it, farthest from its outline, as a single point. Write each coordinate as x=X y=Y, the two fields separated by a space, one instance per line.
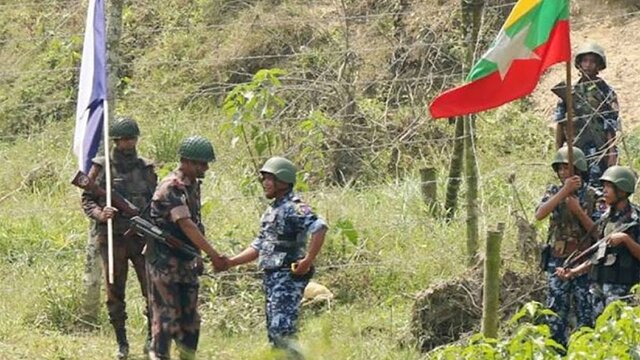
x=615 y=25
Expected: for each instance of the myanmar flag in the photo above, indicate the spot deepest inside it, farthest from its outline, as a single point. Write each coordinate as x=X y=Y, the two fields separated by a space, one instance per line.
x=534 y=37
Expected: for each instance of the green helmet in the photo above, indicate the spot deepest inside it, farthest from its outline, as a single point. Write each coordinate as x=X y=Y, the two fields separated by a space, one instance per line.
x=197 y=148
x=281 y=168
x=124 y=127
x=591 y=48
x=622 y=177
x=562 y=157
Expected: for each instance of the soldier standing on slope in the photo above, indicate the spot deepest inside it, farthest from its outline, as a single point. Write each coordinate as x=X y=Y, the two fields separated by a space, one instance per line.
x=134 y=178
x=281 y=249
x=173 y=275
x=596 y=113
x=572 y=207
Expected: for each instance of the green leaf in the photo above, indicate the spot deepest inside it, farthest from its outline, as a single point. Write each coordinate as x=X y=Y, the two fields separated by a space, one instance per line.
x=346 y=229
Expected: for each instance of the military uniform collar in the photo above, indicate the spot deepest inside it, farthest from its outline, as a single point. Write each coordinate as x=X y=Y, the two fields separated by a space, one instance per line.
x=615 y=214
x=182 y=178
x=286 y=197
x=584 y=79
x=119 y=157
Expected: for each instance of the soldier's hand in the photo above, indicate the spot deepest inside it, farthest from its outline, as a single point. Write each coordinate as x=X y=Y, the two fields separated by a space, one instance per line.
x=107 y=213
x=301 y=267
x=564 y=274
x=198 y=266
x=617 y=239
x=573 y=204
x=572 y=184
x=220 y=263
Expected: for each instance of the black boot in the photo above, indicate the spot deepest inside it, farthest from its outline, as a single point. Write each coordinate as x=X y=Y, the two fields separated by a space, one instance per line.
x=123 y=344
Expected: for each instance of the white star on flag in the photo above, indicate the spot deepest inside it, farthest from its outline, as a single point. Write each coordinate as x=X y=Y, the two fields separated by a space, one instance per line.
x=507 y=49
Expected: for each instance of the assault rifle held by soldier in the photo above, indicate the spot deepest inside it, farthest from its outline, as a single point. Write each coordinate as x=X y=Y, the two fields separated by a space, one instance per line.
x=598 y=247
x=123 y=205
x=146 y=228
x=139 y=226
x=560 y=90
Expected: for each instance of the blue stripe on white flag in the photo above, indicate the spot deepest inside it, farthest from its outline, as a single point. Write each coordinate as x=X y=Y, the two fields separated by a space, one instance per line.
x=92 y=88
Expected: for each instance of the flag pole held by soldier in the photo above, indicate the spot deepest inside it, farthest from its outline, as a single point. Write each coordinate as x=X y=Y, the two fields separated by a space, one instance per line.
x=134 y=181
x=591 y=106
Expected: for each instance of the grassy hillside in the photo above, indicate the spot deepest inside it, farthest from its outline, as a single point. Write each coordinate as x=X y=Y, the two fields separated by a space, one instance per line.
x=350 y=109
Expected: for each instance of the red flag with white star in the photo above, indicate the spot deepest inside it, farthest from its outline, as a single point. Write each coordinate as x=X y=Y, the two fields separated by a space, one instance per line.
x=534 y=37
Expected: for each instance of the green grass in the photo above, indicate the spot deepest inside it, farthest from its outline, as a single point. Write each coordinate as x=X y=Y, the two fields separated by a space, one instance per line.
x=400 y=250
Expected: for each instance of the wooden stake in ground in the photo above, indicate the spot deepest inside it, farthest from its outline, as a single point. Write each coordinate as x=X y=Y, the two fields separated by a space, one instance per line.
x=491 y=288
x=429 y=189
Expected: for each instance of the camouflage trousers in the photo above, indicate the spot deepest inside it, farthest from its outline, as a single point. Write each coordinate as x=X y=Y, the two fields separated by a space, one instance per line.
x=283 y=295
x=559 y=298
x=124 y=250
x=173 y=295
x=605 y=294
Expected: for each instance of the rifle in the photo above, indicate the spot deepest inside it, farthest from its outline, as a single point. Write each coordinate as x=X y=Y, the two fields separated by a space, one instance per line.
x=125 y=206
x=560 y=90
x=146 y=228
x=599 y=247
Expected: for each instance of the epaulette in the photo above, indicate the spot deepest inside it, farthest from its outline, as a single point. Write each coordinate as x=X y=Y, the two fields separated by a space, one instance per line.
x=301 y=207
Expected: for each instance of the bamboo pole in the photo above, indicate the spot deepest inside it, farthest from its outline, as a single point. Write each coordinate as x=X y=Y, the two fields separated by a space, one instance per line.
x=472 y=15
x=471 y=172
x=455 y=171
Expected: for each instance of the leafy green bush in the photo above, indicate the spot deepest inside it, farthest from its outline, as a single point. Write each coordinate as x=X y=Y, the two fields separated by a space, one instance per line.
x=616 y=335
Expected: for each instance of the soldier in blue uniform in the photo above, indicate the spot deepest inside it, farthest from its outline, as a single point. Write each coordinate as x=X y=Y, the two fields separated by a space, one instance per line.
x=280 y=248
x=616 y=269
x=571 y=207
x=596 y=113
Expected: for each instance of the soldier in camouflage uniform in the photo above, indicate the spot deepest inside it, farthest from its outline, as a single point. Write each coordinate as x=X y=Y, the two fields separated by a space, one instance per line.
x=280 y=248
x=595 y=111
x=571 y=207
x=617 y=269
x=173 y=276
x=134 y=178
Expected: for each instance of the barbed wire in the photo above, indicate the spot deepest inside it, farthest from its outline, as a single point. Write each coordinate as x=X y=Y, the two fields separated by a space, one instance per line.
x=414 y=184
x=205 y=61
x=225 y=87
x=333 y=19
